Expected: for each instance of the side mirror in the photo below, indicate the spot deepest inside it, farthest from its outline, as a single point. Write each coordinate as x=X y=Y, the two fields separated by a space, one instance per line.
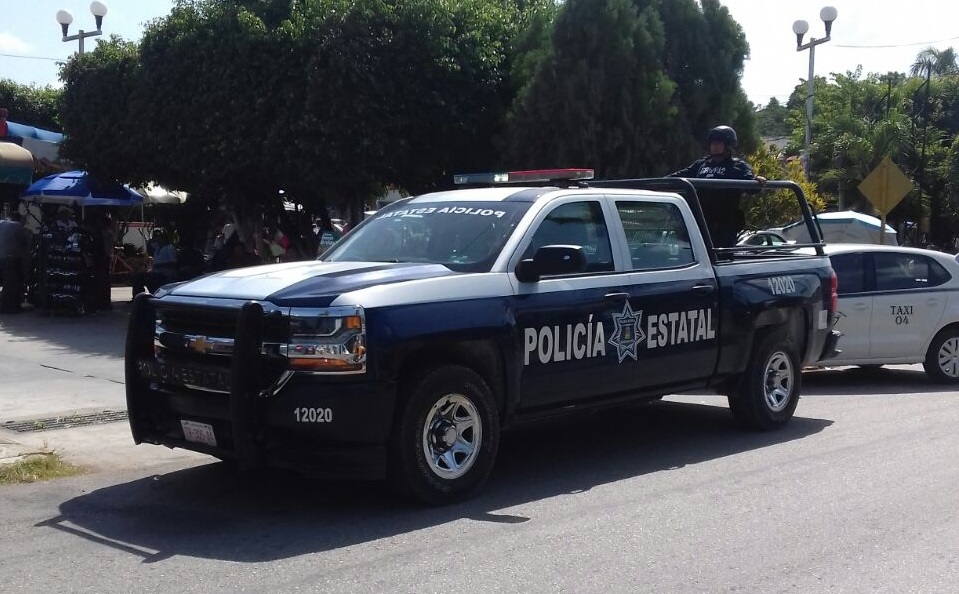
x=551 y=260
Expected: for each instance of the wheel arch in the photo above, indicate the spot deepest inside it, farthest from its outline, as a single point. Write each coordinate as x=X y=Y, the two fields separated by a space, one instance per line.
x=484 y=356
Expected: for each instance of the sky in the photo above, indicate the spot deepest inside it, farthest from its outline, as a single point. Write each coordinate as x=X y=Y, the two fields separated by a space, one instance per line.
x=30 y=44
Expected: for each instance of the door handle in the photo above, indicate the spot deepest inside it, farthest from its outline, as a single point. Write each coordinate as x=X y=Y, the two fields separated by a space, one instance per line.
x=860 y=307
x=616 y=296
x=932 y=302
x=704 y=289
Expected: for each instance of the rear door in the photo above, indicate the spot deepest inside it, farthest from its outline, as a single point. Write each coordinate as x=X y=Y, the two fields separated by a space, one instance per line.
x=853 y=271
x=673 y=297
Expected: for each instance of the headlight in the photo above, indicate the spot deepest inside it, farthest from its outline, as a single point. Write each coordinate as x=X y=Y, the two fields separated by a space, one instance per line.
x=331 y=340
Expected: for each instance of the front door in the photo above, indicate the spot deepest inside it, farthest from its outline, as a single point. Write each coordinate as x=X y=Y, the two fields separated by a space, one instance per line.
x=564 y=322
x=906 y=312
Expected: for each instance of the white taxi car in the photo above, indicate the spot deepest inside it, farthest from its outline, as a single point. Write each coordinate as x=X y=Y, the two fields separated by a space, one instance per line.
x=897 y=305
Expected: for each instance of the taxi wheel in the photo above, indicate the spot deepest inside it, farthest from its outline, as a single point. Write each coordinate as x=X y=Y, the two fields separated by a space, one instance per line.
x=942 y=358
x=444 y=445
x=768 y=391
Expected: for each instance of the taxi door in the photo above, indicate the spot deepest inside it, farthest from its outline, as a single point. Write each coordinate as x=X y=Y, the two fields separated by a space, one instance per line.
x=854 y=314
x=563 y=322
x=906 y=311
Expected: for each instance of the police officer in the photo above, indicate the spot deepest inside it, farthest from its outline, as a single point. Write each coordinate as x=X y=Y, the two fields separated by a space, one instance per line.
x=724 y=218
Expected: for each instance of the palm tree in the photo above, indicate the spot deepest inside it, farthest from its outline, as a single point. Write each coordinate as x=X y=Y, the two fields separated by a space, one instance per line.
x=935 y=62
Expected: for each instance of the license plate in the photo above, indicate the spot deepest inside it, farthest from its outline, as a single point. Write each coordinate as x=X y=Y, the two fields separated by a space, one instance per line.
x=198 y=433
x=204 y=378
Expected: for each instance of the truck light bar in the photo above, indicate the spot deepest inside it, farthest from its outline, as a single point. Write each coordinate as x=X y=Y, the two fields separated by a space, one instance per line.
x=530 y=176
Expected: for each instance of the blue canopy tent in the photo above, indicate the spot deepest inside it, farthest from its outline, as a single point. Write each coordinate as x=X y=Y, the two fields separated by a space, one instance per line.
x=79 y=189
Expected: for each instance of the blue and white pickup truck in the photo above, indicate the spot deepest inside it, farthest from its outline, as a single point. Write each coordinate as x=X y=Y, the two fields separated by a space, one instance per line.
x=445 y=318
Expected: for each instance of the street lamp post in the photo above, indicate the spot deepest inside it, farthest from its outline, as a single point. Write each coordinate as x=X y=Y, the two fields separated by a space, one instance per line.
x=98 y=9
x=828 y=14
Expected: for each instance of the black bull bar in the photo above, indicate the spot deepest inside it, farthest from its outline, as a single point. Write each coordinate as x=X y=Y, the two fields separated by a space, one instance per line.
x=245 y=375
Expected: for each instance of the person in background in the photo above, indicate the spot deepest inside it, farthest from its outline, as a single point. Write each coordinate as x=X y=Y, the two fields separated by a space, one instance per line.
x=328 y=235
x=240 y=257
x=721 y=208
x=14 y=246
x=277 y=242
x=190 y=260
x=100 y=231
x=65 y=220
x=162 y=271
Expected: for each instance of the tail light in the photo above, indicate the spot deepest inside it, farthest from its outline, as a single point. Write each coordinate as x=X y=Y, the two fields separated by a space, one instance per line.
x=833 y=292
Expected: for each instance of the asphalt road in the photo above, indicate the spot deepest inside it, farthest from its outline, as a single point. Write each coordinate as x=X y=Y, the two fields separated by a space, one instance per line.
x=857 y=494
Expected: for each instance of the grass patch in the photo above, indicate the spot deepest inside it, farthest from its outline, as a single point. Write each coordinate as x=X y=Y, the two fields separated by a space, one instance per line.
x=35 y=468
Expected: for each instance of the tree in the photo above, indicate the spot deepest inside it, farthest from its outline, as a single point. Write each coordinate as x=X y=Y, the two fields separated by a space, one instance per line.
x=779 y=207
x=102 y=134
x=935 y=62
x=771 y=120
x=30 y=105
x=327 y=99
x=630 y=87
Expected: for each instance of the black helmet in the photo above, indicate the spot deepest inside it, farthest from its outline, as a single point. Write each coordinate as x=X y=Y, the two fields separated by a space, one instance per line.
x=725 y=134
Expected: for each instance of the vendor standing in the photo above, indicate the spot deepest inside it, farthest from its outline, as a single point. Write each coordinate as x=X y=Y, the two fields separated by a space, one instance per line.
x=14 y=247
x=162 y=271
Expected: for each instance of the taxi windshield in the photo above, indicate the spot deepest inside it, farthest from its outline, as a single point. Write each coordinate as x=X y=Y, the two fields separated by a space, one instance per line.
x=463 y=236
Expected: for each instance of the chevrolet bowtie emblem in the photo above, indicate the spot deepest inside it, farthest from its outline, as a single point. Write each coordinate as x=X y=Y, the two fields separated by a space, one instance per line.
x=199 y=344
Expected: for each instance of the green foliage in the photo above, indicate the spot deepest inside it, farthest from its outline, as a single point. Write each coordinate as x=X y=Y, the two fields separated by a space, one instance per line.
x=950 y=173
x=327 y=99
x=30 y=105
x=777 y=208
x=630 y=87
x=771 y=120
x=36 y=468
x=860 y=119
x=98 y=111
x=935 y=62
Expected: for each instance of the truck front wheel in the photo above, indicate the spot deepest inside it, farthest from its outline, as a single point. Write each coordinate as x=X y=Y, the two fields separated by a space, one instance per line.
x=445 y=443
x=768 y=391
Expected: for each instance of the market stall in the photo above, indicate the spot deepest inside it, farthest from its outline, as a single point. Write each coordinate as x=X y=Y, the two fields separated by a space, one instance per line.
x=74 y=253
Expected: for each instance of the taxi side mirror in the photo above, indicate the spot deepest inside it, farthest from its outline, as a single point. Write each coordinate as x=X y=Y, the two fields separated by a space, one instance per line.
x=551 y=260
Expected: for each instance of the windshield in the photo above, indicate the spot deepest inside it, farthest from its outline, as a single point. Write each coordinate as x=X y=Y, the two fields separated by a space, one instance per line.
x=463 y=236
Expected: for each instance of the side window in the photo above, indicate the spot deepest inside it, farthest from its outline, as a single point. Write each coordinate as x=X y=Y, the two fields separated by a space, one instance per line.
x=656 y=235
x=850 y=273
x=576 y=223
x=907 y=271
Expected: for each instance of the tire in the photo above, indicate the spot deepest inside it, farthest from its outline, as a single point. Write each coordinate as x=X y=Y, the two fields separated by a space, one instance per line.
x=769 y=388
x=942 y=358
x=435 y=458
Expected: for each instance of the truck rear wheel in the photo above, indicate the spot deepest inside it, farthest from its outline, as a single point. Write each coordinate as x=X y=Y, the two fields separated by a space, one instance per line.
x=768 y=391
x=445 y=442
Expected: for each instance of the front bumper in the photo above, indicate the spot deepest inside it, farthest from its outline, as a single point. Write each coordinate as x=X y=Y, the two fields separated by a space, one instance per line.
x=326 y=426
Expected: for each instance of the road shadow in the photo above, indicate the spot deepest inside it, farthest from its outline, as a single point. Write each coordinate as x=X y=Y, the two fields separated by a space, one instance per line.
x=854 y=381
x=213 y=512
x=102 y=333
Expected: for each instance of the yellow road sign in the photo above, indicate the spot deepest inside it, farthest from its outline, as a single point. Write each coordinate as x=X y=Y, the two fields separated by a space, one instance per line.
x=886 y=186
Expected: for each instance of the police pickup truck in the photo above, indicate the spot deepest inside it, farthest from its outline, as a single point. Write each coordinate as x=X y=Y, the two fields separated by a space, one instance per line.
x=447 y=317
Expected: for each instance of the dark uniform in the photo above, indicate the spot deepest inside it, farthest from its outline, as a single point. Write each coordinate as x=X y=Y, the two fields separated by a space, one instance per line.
x=721 y=208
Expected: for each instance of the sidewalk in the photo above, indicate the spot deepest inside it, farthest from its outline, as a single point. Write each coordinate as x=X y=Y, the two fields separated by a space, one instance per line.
x=62 y=371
